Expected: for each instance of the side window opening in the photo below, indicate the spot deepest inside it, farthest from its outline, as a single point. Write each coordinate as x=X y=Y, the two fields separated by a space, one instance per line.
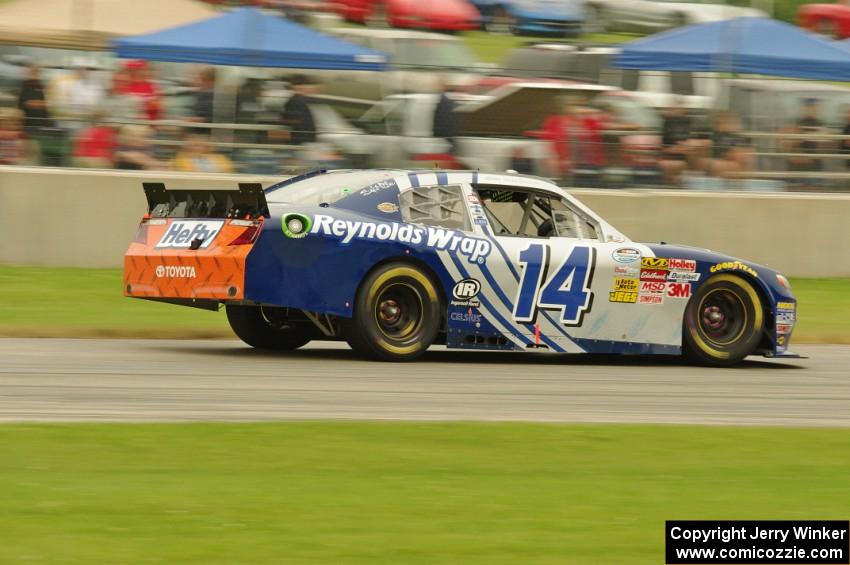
x=441 y=206
x=527 y=214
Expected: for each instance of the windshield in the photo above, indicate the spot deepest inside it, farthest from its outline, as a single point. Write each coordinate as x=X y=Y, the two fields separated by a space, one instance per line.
x=424 y=52
x=318 y=188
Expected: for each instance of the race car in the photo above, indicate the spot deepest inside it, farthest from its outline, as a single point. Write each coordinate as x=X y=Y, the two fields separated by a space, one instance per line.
x=394 y=261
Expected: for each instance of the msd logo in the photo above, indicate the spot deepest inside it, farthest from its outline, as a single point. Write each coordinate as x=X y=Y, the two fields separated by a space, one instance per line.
x=181 y=234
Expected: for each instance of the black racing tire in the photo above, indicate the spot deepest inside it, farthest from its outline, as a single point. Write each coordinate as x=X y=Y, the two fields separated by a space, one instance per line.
x=397 y=313
x=265 y=327
x=724 y=321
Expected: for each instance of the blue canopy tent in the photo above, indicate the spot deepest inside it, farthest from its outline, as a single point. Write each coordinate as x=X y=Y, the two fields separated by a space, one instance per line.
x=742 y=45
x=247 y=37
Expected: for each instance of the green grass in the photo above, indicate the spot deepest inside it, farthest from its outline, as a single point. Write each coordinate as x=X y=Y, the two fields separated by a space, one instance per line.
x=69 y=302
x=397 y=493
x=494 y=48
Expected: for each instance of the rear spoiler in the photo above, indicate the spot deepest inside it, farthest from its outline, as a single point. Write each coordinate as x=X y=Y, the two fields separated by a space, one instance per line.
x=249 y=201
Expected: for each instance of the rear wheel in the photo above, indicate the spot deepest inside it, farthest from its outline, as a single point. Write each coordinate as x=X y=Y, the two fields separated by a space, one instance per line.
x=266 y=327
x=397 y=314
x=723 y=321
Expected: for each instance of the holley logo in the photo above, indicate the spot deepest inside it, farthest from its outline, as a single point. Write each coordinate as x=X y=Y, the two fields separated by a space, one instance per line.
x=181 y=234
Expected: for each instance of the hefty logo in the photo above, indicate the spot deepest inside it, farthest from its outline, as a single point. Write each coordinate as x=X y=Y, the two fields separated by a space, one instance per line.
x=182 y=234
x=474 y=249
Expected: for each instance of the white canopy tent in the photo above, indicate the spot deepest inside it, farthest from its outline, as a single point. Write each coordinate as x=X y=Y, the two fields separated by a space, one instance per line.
x=92 y=24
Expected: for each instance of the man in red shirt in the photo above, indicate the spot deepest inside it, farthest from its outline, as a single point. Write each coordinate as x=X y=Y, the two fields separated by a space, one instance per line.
x=141 y=86
x=576 y=139
x=95 y=145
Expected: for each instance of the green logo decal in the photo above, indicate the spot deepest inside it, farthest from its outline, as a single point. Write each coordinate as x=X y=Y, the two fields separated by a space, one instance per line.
x=295 y=226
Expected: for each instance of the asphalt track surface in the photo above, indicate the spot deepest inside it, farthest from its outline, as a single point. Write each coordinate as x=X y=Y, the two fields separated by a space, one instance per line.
x=159 y=380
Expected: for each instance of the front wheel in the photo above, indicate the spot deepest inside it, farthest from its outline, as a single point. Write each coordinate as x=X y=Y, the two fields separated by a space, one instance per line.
x=723 y=322
x=397 y=314
x=265 y=327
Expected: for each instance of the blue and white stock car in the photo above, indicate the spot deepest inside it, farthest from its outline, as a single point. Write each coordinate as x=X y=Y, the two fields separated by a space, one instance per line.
x=393 y=261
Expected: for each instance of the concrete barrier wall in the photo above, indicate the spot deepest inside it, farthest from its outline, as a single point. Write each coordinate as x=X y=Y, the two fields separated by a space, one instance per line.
x=86 y=218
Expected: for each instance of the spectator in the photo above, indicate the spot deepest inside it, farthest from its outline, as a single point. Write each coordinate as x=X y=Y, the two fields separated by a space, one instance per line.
x=95 y=145
x=33 y=103
x=845 y=143
x=196 y=156
x=675 y=142
x=140 y=86
x=731 y=154
x=119 y=106
x=77 y=94
x=12 y=140
x=202 y=108
x=445 y=121
x=808 y=123
x=296 y=113
x=134 y=149
x=575 y=135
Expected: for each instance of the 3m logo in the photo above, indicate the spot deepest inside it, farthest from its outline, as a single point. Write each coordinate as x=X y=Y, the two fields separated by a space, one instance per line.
x=181 y=234
x=466 y=289
x=679 y=290
x=654 y=262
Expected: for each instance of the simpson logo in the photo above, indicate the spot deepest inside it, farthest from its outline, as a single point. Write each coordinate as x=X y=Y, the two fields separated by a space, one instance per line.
x=652 y=287
x=784 y=328
x=654 y=262
x=625 y=255
x=683 y=277
x=474 y=249
x=653 y=275
x=650 y=299
x=630 y=285
x=181 y=234
x=682 y=265
x=679 y=290
x=175 y=272
x=623 y=296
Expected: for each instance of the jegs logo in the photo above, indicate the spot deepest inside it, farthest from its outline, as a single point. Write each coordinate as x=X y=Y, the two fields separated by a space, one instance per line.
x=474 y=249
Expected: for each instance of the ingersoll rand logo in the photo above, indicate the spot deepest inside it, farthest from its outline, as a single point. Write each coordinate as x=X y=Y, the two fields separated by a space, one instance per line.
x=181 y=234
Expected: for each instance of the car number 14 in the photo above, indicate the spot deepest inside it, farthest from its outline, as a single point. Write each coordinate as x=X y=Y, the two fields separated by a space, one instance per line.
x=567 y=289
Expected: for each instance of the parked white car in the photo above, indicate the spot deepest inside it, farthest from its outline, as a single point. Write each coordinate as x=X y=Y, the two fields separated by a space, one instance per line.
x=650 y=16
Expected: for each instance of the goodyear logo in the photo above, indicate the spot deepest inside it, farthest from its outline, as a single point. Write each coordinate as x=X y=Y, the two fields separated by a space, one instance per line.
x=623 y=296
x=734 y=266
x=654 y=262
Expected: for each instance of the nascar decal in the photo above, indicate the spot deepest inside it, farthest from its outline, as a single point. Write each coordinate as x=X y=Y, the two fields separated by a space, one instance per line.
x=625 y=255
x=474 y=249
x=185 y=234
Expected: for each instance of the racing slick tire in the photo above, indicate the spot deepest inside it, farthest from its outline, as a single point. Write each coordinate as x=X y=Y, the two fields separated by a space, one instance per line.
x=397 y=313
x=723 y=322
x=265 y=327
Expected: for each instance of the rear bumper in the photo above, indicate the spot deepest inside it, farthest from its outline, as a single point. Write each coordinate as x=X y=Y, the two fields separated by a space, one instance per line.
x=216 y=272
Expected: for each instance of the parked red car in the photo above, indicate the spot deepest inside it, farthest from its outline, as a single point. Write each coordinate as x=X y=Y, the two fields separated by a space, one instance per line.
x=831 y=20
x=438 y=15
